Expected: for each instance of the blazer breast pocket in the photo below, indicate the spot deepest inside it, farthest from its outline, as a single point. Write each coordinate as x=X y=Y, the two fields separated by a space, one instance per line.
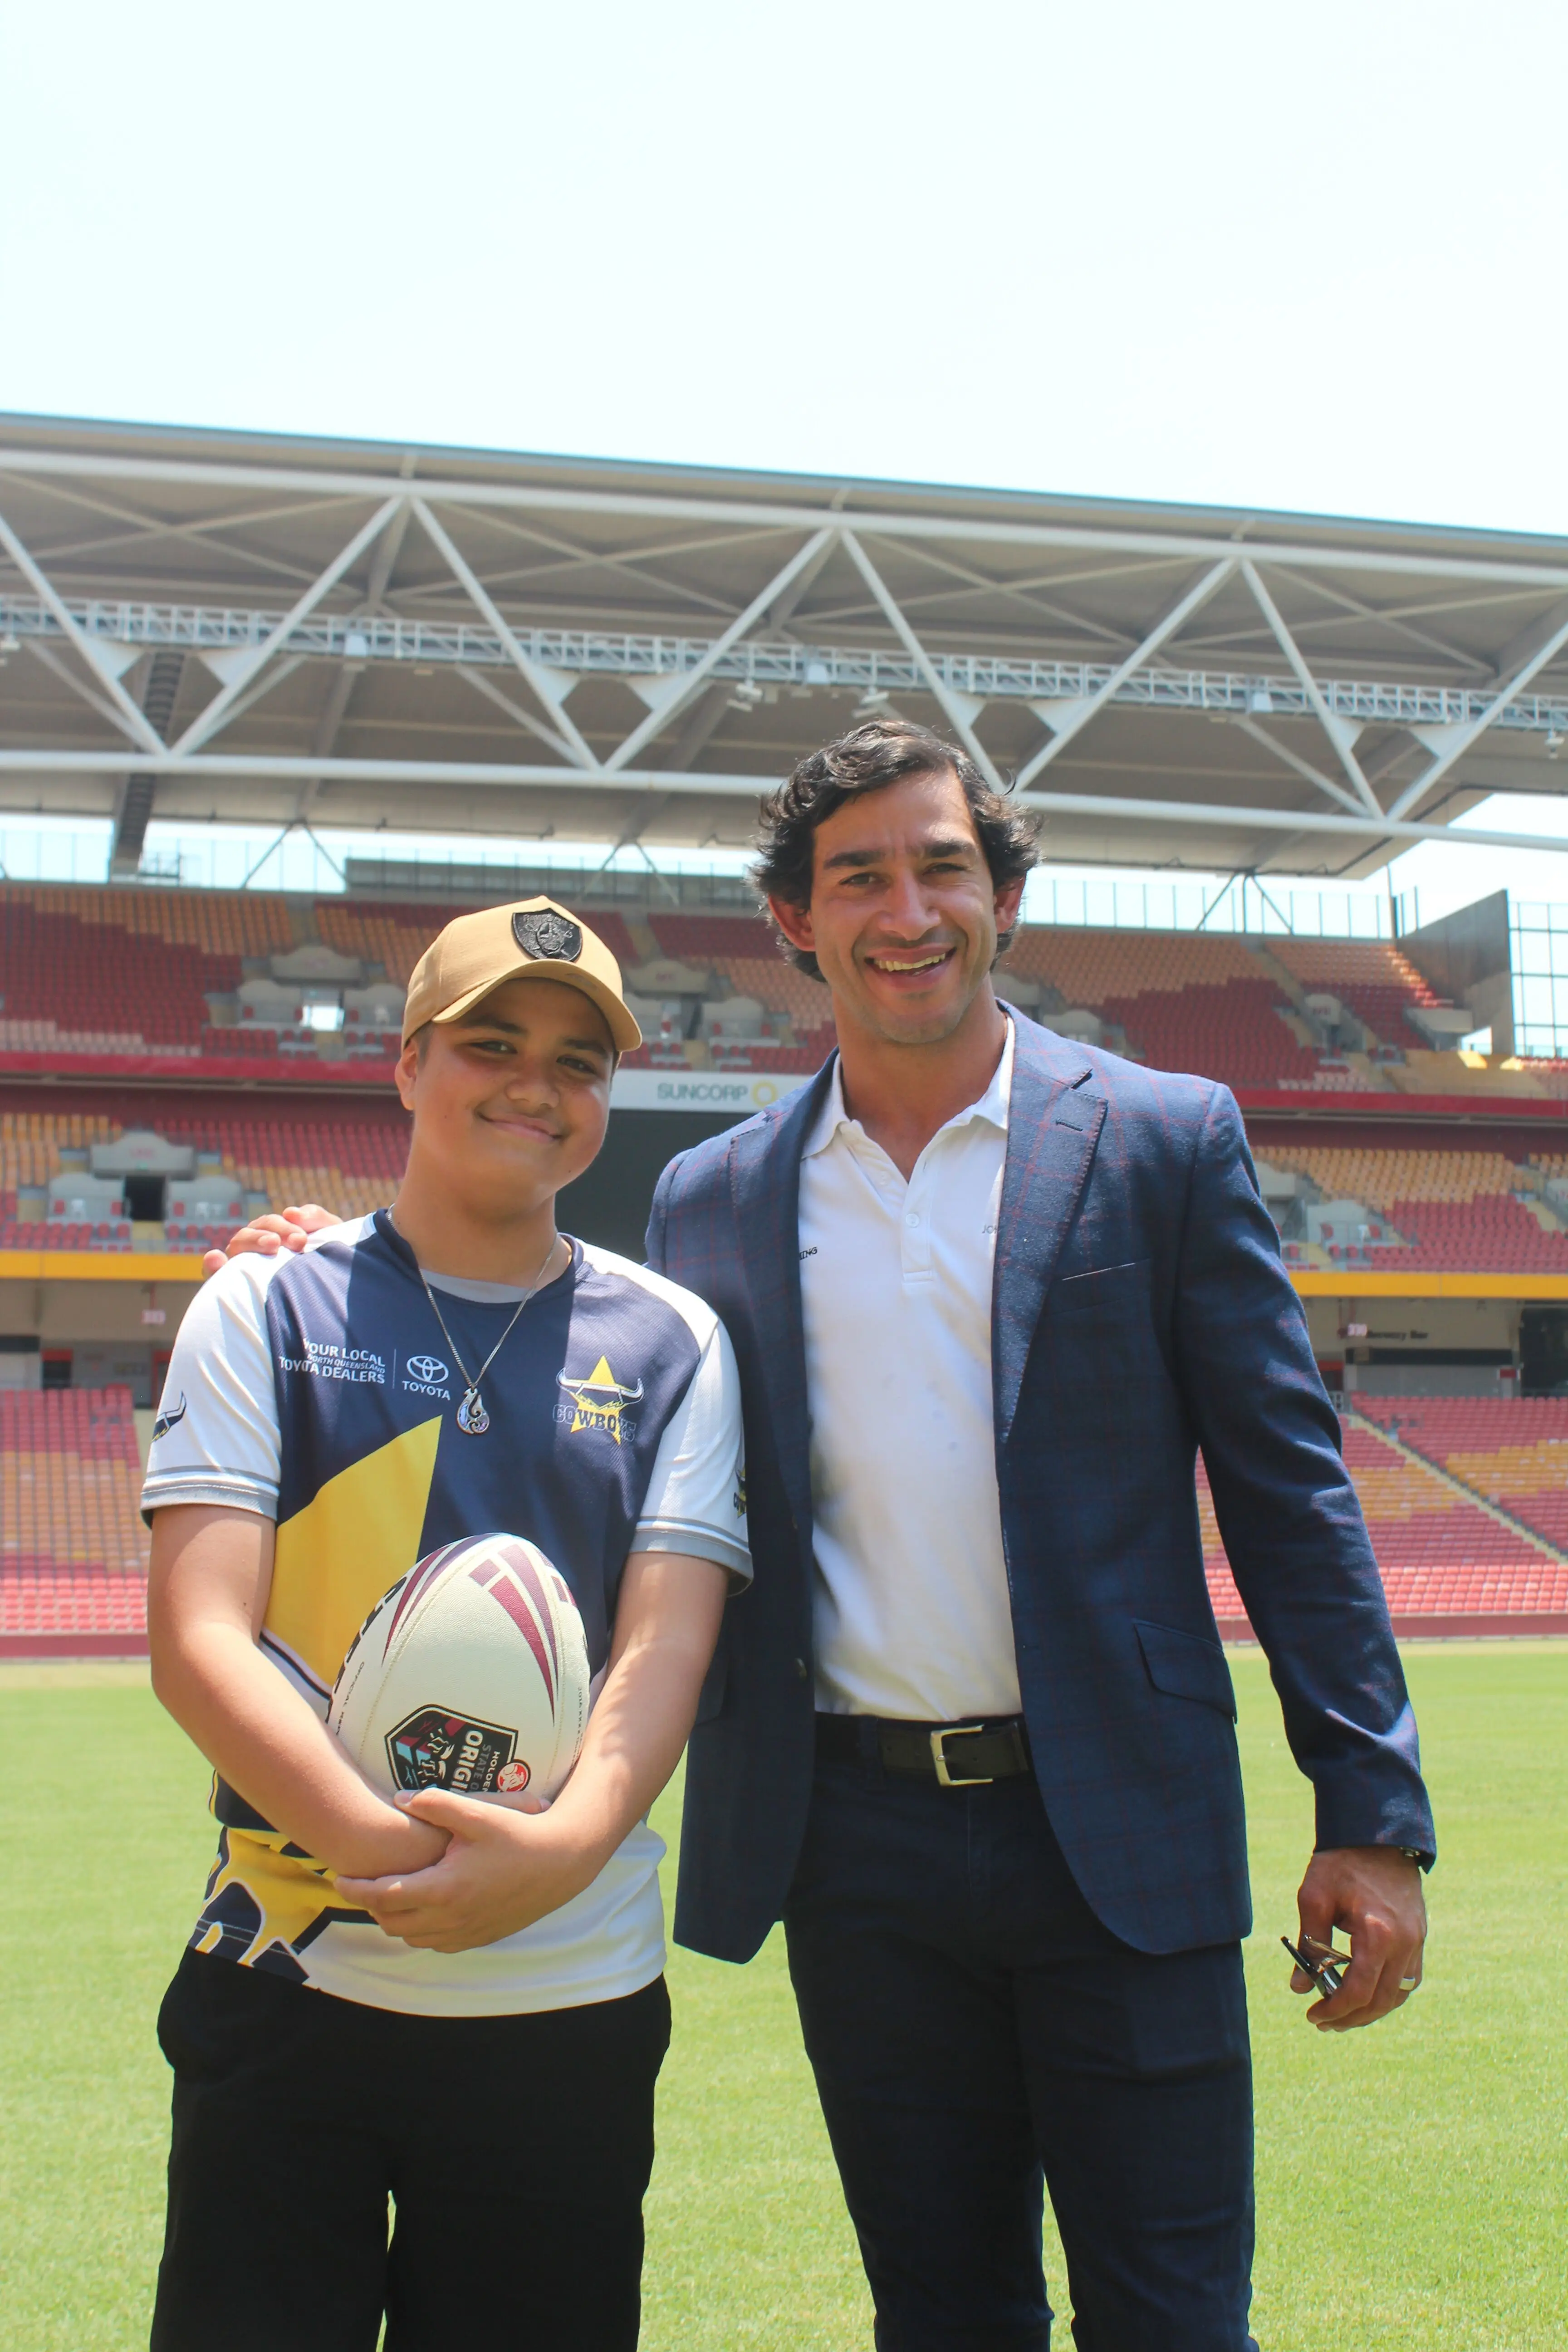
x=1107 y=1287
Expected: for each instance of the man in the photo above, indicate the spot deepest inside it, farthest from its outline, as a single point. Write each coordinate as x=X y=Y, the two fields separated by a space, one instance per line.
x=971 y=1735
x=443 y=2000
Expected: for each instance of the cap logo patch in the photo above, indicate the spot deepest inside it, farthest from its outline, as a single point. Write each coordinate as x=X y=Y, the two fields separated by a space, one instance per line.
x=548 y=937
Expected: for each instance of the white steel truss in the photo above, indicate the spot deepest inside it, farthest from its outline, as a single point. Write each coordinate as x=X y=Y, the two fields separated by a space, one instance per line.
x=857 y=589
x=359 y=640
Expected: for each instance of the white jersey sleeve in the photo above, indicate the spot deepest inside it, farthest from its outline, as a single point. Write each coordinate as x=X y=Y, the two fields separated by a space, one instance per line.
x=696 y=1499
x=216 y=1437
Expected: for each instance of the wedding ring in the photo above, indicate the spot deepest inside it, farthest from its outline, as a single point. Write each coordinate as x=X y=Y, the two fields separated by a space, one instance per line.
x=1408 y=1984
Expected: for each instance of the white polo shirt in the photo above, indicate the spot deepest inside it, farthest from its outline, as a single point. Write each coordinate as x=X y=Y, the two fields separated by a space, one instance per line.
x=911 y=1610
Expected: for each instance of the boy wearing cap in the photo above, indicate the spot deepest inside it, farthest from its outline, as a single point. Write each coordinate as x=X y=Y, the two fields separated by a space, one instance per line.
x=449 y=2002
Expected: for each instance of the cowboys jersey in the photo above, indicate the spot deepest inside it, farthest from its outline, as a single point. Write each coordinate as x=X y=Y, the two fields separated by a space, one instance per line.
x=321 y=1389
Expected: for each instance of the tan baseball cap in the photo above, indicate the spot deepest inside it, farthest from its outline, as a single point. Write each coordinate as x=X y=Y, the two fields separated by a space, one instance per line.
x=535 y=939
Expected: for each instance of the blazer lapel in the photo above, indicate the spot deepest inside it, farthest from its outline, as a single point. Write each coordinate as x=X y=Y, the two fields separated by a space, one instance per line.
x=764 y=1176
x=1053 y=1127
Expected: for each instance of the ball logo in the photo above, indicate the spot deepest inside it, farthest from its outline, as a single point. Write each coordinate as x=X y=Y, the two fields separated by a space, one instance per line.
x=436 y=1747
x=429 y=1369
x=512 y=1777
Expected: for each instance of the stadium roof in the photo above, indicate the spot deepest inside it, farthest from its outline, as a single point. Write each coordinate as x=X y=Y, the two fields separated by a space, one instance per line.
x=253 y=628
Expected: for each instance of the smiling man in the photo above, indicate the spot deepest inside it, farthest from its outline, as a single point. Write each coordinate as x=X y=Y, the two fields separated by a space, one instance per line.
x=971 y=1736
x=446 y=2001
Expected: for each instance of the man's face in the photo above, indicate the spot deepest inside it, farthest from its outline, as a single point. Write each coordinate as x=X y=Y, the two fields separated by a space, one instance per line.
x=511 y=1101
x=904 y=915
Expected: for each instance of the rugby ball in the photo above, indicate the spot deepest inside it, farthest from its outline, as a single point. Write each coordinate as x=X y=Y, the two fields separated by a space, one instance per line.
x=471 y=1673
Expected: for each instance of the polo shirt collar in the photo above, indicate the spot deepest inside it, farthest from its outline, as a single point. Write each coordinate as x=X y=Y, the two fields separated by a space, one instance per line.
x=993 y=1105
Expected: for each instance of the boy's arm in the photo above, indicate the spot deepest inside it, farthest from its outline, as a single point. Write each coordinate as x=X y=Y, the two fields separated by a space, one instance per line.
x=504 y=1868
x=211 y=1572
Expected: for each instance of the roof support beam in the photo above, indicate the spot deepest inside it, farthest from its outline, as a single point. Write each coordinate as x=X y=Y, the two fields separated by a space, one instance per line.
x=1451 y=744
x=341 y=692
x=127 y=715
x=1074 y=718
x=1201 y=815
x=1316 y=555
x=79 y=687
x=953 y=710
x=546 y=688
x=220 y=709
x=1340 y=732
x=1302 y=767
x=514 y=710
x=693 y=679
x=702 y=718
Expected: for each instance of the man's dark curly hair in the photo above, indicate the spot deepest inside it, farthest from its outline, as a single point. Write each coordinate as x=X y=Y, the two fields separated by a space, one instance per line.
x=870 y=758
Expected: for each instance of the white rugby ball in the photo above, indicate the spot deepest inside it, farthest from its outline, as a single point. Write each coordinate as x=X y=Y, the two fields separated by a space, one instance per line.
x=471 y=1673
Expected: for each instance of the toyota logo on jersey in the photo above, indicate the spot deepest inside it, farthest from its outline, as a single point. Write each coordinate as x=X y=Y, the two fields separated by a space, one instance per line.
x=428 y=1370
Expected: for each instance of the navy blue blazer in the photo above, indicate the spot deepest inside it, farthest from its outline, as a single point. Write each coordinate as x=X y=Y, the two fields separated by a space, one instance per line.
x=1140 y=1311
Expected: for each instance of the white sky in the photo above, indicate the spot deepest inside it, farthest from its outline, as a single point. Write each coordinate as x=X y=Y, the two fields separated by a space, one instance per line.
x=1303 y=257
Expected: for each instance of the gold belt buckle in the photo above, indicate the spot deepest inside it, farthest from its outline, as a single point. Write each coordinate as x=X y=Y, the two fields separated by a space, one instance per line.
x=938 y=1756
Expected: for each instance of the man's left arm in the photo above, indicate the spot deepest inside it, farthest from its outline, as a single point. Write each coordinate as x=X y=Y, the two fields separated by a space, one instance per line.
x=508 y=1867
x=1303 y=1565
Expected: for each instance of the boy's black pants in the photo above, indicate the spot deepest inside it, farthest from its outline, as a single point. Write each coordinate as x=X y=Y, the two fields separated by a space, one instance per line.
x=516 y=2151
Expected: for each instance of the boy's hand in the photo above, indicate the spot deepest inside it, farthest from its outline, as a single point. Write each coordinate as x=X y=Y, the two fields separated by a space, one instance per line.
x=285 y=1229
x=507 y=1865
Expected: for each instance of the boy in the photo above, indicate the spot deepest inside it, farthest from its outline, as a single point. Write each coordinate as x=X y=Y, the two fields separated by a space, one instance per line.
x=452 y=2003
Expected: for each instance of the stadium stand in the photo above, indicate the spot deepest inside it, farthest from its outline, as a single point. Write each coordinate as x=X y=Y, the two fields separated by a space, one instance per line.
x=73 y=1550
x=395 y=937
x=1468 y=1500
x=1512 y=1451
x=1370 y=977
x=350 y=1165
x=86 y=971
x=1181 y=1001
x=1447 y=1562
x=122 y=972
x=1433 y=1210
x=698 y=939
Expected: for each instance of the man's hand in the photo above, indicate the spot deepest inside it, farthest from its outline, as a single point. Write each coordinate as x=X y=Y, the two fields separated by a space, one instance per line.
x=287 y=1229
x=1373 y=1893
x=506 y=1867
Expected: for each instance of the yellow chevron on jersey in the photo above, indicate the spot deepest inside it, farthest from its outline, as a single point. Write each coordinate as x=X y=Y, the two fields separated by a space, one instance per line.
x=354 y=1539
x=265 y=1903
x=334 y=1559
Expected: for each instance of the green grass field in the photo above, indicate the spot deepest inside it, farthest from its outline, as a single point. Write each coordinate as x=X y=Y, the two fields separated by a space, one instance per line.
x=1413 y=2181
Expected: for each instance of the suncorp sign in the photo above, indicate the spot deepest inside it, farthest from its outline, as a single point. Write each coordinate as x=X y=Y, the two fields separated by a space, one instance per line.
x=739 y=1092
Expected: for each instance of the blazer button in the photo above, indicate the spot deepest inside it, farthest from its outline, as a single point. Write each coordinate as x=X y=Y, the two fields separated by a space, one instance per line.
x=800 y=1670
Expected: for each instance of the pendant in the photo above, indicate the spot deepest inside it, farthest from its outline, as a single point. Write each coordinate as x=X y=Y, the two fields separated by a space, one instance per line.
x=472 y=1418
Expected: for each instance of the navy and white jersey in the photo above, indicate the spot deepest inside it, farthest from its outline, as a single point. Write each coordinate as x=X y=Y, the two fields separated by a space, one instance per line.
x=321 y=1391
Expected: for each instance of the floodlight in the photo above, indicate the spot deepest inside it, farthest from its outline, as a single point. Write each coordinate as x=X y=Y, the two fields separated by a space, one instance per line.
x=1259 y=701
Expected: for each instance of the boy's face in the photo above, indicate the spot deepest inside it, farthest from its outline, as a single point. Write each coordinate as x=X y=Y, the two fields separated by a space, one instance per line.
x=510 y=1102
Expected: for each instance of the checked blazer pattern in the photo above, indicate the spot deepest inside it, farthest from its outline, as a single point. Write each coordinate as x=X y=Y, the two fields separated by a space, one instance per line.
x=1140 y=1311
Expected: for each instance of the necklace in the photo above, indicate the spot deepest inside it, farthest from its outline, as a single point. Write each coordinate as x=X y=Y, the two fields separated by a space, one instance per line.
x=472 y=1418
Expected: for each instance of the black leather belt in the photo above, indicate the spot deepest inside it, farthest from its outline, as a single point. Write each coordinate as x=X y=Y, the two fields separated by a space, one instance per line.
x=952 y=1755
